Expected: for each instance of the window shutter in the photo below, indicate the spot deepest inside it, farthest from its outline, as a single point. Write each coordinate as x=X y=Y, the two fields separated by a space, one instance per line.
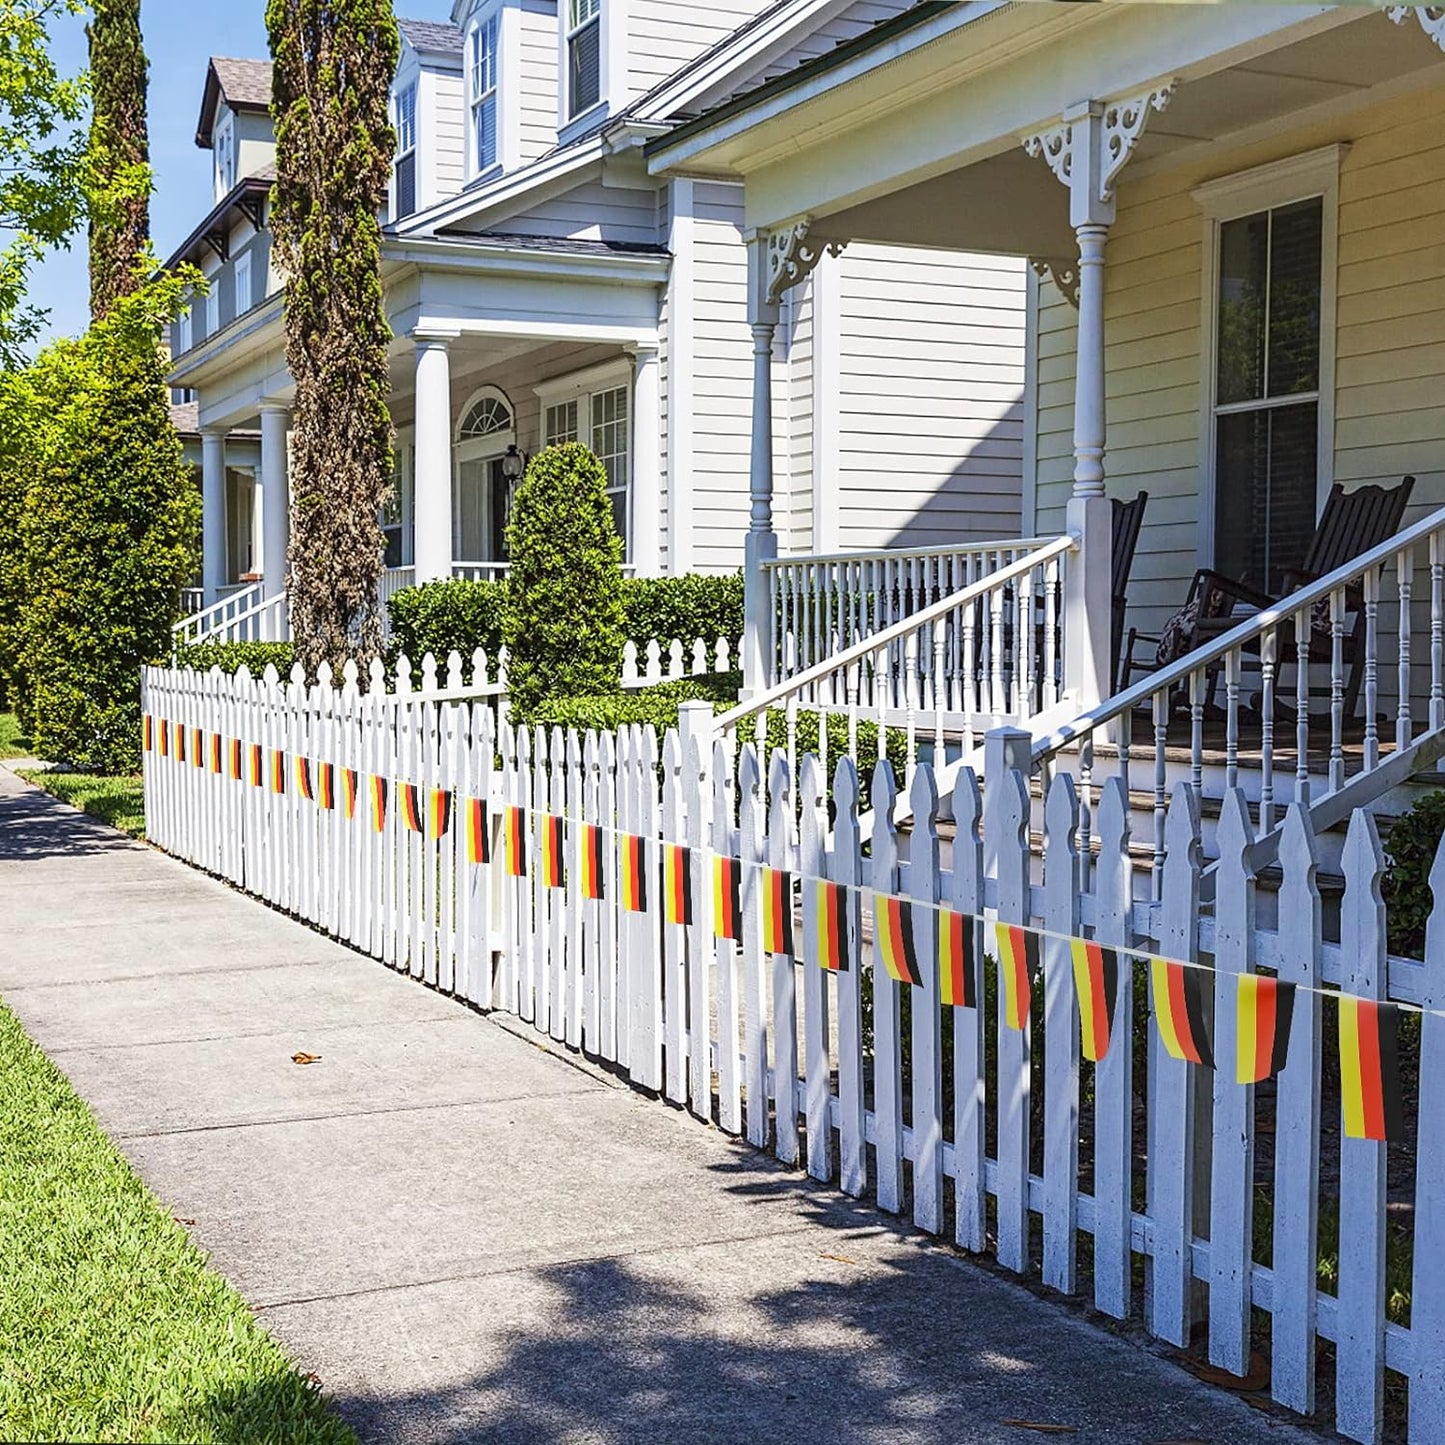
x=586 y=65
x=406 y=185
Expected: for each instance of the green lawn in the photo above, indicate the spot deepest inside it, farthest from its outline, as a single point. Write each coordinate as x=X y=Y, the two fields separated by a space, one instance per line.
x=114 y=1328
x=117 y=801
x=13 y=742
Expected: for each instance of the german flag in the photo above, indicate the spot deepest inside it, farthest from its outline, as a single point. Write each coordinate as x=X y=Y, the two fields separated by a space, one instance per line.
x=180 y=742
x=778 y=912
x=278 y=771
x=554 y=869
x=326 y=786
x=198 y=748
x=1018 y=961
x=479 y=831
x=258 y=773
x=1266 y=1011
x=727 y=903
x=516 y=840
x=148 y=730
x=411 y=809
x=235 y=760
x=592 y=876
x=1370 y=1070
x=1096 y=977
x=830 y=919
x=378 y=803
x=1179 y=991
x=216 y=753
x=165 y=738
x=634 y=873
x=677 y=883
x=348 y=790
x=893 y=937
x=957 y=959
x=303 y=779
x=439 y=812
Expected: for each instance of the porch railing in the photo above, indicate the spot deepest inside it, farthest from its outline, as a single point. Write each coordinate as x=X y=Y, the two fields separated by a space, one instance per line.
x=1201 y=714
x=210 y=623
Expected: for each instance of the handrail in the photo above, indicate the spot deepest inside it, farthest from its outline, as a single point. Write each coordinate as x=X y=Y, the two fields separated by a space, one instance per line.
x=221 y=604
x=902 y=554
x=1123 y=703
x=874 y=644
x=252 y=613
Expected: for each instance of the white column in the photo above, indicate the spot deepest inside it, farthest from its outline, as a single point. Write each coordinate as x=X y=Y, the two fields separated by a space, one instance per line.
x=213 y=514
x=761 y=543
x=681 y=368
x=275 y=499
x=433 y=481
x=646 y=478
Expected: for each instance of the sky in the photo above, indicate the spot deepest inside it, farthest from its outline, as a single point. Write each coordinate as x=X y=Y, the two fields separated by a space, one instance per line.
x=180 y=36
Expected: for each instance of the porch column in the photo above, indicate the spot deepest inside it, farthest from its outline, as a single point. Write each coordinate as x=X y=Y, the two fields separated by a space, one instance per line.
x=432 y=504
x=213 y=514
x=645 y=520
x=275 y=499
x=761 y=543
x=1086 y=151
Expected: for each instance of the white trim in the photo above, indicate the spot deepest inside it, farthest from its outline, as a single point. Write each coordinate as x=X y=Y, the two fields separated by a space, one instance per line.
x=827 y=293
x=607 y=376
x=491 y=13
x=468 y=449
x=568 y=124
x=509 y=105
x=1262 y=188
x=681 y=376
x=1029 y=490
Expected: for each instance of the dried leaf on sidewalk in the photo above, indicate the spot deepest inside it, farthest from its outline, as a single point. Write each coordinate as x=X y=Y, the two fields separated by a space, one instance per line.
x=1042 y=1428
x=1256 y=1379
x=305 y=1058
x=841 y=1258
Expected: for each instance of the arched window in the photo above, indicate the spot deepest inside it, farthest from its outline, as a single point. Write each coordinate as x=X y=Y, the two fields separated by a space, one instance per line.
x=488 y=414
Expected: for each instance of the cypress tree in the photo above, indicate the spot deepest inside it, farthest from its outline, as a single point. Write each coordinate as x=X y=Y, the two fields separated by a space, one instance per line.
x=119 y=153
x=334 y=63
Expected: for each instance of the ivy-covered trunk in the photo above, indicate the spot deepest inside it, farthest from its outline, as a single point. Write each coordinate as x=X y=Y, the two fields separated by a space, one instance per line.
x=120 y=154
x=334 y=63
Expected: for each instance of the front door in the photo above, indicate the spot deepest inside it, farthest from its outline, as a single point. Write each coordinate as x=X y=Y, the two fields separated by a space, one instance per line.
x=483 y=503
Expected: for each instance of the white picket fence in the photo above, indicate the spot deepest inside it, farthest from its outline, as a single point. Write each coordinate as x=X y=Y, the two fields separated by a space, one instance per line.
x=776 y=1049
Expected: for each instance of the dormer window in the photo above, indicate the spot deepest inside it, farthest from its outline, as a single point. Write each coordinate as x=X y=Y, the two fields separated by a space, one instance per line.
x=405 y=191
x=225 y=144
x=484 y=71
x=584 y=55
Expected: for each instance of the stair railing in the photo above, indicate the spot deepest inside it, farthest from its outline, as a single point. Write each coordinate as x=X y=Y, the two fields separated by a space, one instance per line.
x=205 y=624
x=1353 y=617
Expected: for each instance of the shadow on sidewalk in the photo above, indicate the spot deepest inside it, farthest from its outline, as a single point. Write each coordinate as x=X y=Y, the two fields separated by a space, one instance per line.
x=35 y=826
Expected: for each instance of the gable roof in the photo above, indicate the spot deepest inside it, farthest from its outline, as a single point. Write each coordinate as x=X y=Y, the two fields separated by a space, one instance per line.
x=431 y=35
x=244 y=85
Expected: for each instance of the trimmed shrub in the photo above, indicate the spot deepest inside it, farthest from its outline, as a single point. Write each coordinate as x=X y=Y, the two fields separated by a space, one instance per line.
x=648 y=707
x=230 y=657
x=683 y=607
x=443 y=617
x=563 y=622
x=1410 y=848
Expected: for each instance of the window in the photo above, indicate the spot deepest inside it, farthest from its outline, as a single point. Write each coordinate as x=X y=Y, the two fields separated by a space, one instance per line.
x=244 y=298
x=183 y=332
x=225 y=144
x=396 y=512
x=484 y=94
x=584 y=55
x=601 y=419
x=1267 y=390
x=405 y=188
x=213 y=307
x=489 y=416
x=561 y=425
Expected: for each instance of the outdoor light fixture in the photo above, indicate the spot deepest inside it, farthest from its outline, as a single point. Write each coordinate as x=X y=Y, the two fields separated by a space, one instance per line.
x=514 y=463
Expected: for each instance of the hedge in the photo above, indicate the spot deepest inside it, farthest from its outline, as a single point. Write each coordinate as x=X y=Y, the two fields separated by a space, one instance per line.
x=230 y=657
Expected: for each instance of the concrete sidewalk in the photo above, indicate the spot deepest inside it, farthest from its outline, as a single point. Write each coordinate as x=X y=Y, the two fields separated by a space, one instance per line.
x=468 y=1237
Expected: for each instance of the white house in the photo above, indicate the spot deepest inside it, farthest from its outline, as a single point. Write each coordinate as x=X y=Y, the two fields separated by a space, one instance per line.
x=542 y=285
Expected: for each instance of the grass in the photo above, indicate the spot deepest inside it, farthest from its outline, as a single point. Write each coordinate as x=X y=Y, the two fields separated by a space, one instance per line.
x=117 y=801
x=115 y=1329
x=13 y=742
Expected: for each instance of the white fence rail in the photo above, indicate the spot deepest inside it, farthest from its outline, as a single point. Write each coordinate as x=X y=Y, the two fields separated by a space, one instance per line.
x=213 y=623
x=584 y=883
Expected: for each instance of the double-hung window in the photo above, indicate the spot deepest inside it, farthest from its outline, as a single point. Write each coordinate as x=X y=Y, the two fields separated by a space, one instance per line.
x=225 y=144
x=601 y=419
x=584 y=55
x=484 y=71
x=244 y=297
x=405 y=187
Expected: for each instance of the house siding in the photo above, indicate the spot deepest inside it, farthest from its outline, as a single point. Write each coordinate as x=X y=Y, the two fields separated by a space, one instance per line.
x=592 y=212
x=664 y=36
x=1390 y=336
x=448 y=135
x=536 y=75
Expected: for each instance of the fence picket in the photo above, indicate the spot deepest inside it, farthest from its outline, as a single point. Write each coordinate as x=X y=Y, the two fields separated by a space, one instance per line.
x=726 y=951
x=782 y=854
x=847 y=869
x=755 y=1026
x=926 y=1021
x=817 y=1062
x=969 y=1084
x=696 y=786
x=674 y=935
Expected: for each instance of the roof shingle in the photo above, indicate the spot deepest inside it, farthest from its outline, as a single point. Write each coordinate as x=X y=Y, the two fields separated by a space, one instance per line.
x=243 y=82
x=431 y=35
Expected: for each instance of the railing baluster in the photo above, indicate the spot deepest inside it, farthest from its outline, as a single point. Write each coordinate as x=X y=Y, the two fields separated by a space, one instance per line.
x=1267 y=645
x=1302 y=707
x=1404 y=581
x=1337 y=689
x=1437 y=630
x=1372 y=670
x=995 y=671
x=1161 y=787
x=1232 y=663
x=1052 y=587
x=1197 y=682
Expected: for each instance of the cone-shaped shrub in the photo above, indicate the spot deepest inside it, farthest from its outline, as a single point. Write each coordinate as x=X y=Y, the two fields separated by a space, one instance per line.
x=563 y=623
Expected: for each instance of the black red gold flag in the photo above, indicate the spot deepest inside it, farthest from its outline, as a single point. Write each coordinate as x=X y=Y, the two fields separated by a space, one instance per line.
x=216 y=753
x=516 y=843
x=1180 y=993
x=278 y=771
x=303 y=779
x=439 y=812
x=554 y=874
x=165 y=738
x=592 y=875
x=326 y=786
x=479 y=831
x=727 y=905
x=677 y=882
x=1266 y=1011
x=957 y=959
x=633 y=873
x=180 y=731
x=198 y=747
x=1370 y=1070
x=378 y=803
x=1018 y=962
x=893 y=937
x=149 y=729
x=830 y=923
x=778 y=912
x=258 y=773
x=348 y=791
x=235 y=751
x=1096 y=978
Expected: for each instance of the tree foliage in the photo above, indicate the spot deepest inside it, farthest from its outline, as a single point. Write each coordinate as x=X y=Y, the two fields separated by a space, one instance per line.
x=44 y=177
x=119 y=153
x=107 y=530
x=334 y=63
x=564 y=619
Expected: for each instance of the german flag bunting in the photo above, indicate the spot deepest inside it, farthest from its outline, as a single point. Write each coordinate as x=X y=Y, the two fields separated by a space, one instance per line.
x=165 y=738
x=349 y=783
x=411 y=813
x=593 y=885
x=516 y=843
x=1265 y=1013
x=479 y=831
x=216 y=753
x=778 y=912
x=378 y=790
x=198 y=747
x=439 y=812
x=1181 y=993
x=258 y=773
x=727 y=905
x=1018 y=962
x=326 y=786
x=633 y=870
x=677 y=882
x=303 y=779
x=278 y=771
x=830 y=923
x=957 y=959
x=554 y=874
x=893 y=937
x=149 y=732
x=1370 y=1070
x=235 y=751
x=1096 y=977
x=180 y=731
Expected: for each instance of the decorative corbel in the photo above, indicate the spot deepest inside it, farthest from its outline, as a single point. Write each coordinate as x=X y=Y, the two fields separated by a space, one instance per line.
x=1431 y=18
x=1064 y=275
x=792 y=259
